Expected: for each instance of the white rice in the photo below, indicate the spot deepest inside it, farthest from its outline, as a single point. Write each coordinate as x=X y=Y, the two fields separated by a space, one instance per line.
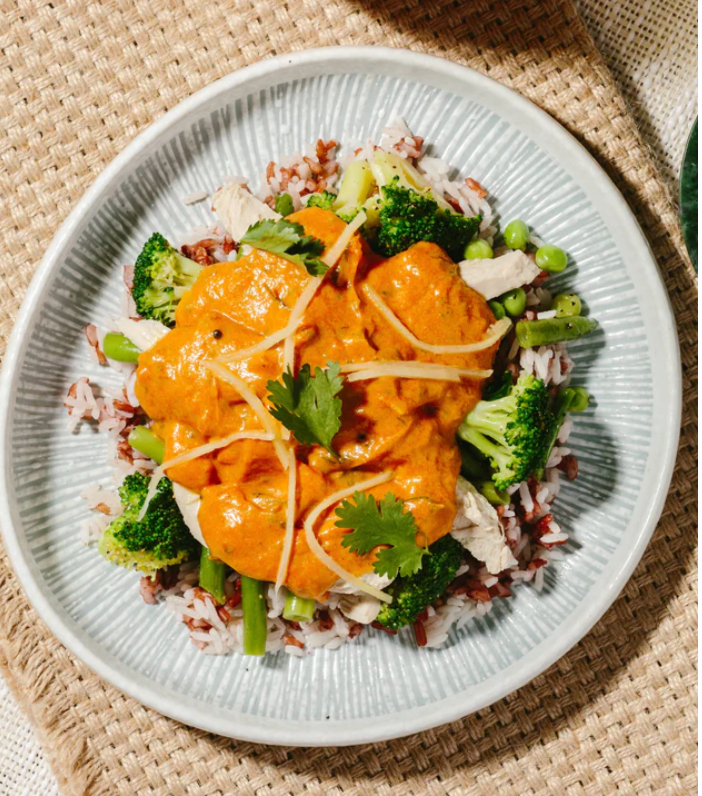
x=565 y=429
x=539 y=299
x=548 y=362
x=95 y=495
x=91 y=529
x=394 y=134
x=526 y=499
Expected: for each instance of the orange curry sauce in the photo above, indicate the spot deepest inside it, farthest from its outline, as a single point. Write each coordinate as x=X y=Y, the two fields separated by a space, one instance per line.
x=405 y=426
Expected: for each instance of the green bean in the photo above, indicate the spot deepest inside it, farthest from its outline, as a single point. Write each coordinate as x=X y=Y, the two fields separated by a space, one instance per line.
x=145 y=441
x=213 y=573
x=553 y=330
x=514 y=302
x=497 y=497
x=120 y=348
x=561 y=407
x=478 y=249
x=567 y=305
x=497 y=309
x=551 y=259
x=298 y=609
x=254 y=609
x=284 y=204
x=516 y=235
x=581 y=400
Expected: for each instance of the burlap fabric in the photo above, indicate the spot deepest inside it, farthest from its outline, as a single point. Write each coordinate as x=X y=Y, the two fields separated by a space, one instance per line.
x=617 y=714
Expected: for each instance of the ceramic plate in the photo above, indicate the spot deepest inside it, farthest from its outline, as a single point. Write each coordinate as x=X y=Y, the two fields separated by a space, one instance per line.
x=381 y=687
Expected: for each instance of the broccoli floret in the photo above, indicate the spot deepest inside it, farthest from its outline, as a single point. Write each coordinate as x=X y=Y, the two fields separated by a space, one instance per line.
x=411 y=595
x=160 y=539
x=323 y=200
x=407 y=216
x=348 y=215
x=161 y=276
x=512 y=431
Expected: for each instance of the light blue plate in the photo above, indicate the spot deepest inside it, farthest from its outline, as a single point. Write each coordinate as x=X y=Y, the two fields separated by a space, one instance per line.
x=381 y=687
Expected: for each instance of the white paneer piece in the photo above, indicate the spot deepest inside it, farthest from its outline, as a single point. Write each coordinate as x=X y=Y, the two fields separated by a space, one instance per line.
x=238 y=209
x=478 y=528
x=189 y=505
x=143 y=334
x=492 y=278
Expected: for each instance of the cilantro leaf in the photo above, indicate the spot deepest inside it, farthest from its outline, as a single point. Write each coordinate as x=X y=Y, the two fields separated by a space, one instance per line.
x=287 y=239
x=382 y=523
x=307 y=404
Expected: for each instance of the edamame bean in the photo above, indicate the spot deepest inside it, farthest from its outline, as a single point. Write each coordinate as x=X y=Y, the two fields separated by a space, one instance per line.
x=581 y=399
x=284 y=204
x=567 y=305
x=532 y=334
x=514 y=302
x=516 y=235
x=478 y=250
x=120 y=348
x=551 y=259
x=497 y=309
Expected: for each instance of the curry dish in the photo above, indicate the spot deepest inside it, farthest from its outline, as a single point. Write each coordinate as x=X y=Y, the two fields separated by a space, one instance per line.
x=407 y=426
x=345 y=406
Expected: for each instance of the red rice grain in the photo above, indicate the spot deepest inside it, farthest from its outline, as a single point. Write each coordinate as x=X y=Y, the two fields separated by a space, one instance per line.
x=94 y=343
x=474 y=185
x=536 y=563
x=148 y=589
x=420 y=633
x=569 y=465
x=387 y=630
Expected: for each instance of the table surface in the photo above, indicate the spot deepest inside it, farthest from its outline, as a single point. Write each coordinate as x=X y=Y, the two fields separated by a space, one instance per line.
x=651 y=47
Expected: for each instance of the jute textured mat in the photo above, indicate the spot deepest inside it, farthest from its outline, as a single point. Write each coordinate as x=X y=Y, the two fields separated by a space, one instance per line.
x=651 y=48
x=616 y=715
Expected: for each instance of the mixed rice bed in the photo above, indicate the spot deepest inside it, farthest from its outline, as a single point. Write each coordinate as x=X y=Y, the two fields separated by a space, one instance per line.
x=530 y=530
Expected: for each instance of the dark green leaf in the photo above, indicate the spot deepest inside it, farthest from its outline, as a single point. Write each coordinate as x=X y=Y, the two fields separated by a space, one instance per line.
x=307 y=405
x=383 y=523
x=287 y=239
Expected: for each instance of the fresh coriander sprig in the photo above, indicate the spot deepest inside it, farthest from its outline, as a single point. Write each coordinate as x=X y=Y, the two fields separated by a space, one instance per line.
x=307 y=405
x=287 y=239
x=383 y=523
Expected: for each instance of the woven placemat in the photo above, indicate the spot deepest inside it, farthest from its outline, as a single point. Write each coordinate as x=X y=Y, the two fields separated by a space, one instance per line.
x=651 y=48
x=78 y=80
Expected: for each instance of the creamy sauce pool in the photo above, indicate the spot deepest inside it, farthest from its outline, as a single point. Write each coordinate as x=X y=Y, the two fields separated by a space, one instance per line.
x=406 y=426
